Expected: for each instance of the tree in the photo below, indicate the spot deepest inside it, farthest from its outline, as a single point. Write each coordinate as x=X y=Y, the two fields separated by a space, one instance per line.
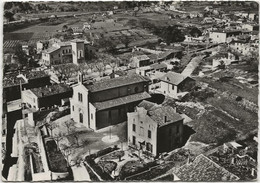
x=67 y=151
x=125 y=40
x=100 y=68
x=64 y=28
x=83 y=68
x=221 y=65
x=66 y=70
x=195 y=32
x=51 y=127
x=9 y=16
x=8 y=5
x=68 y=124
x=22 y=57
x=113 y=65
x=172 y=34
x=107 y=44
x=75 y=134
x=58 y=137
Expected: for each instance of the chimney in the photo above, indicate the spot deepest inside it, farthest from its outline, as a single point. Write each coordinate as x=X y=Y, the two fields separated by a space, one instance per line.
x=80 y=77
x=253 y=172
x=165 y=119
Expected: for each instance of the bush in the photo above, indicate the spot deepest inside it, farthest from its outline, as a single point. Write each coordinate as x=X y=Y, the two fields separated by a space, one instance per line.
x=90 y=160
x=125 y=173
x=239 y=98
x=103 y=174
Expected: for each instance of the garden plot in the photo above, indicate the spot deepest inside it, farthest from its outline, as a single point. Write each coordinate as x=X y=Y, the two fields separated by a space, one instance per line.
x=42 y=28
x=82 y=141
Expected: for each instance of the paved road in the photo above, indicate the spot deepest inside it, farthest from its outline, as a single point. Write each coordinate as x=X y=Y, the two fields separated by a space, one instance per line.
x=80 y=173
x=192 y=66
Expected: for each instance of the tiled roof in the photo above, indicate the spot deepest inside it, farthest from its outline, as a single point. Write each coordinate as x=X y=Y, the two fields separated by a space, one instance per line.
x=116 y=82
x=51 y=90
x=64 y=43
x=148 y=105
x=167 y=53
x=140 y=57
x=220 y=55
x=78 y=40
x=121 y=101
x=157 y=113
x=158 y=66
x=50 y=50
x=12 y=80
x=34 y=74
x=173 y=78
x=204 y=169
x=153 y=57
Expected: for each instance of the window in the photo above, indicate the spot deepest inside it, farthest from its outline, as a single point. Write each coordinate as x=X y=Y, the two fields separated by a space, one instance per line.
x=134 y=139
x=33 y=100
x=149 y=147
x=133 y=127
x=149 y=134
x=172 y=87
x=73 y=108
x=141 y=131
x=59 y=54
x=51 y=56
x=63 y=51
x=80 y=97
x=91 y=116
x=80 y=117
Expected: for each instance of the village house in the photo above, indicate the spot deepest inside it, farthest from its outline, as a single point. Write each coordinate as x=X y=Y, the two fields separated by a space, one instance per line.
x=46 y=96
x=45 y=44
x=223 y=58
x=106 y=102
x=13 y=83
x=250 y=27
x=154 y=129
x=139 y=61
x=161 y=67
x=252 y=16
x=174 y=84
x=74 y=51
x=225 y=36
x=244 y=47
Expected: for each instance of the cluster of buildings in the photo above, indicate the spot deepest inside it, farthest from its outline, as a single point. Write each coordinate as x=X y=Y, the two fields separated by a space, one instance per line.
x=74 y=51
